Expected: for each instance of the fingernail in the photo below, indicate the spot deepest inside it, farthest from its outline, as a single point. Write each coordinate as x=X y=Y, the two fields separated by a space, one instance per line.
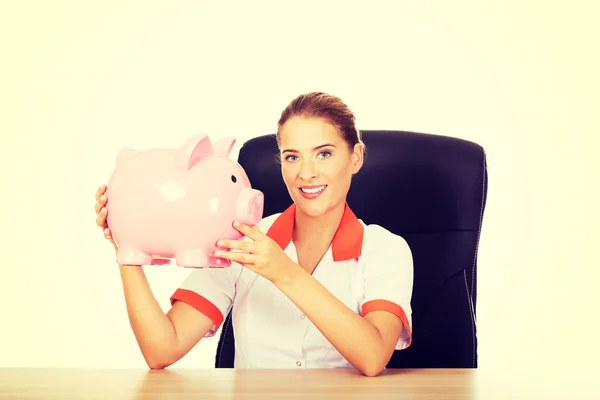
x=217 y=253
x=236 y=223
x=220 y=243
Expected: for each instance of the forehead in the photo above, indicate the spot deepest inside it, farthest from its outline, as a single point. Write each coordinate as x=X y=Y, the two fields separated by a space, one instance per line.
x=300 y=132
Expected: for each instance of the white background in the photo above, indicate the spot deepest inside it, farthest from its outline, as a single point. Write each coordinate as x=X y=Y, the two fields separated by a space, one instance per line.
x=80 y=80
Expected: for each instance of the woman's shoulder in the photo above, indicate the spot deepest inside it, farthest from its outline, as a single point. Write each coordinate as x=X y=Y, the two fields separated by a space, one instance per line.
x=375 y=232
x=385 y=254
x=378 y=239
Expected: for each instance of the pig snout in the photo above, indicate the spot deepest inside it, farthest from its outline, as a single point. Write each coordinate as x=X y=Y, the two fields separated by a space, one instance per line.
x=250 y=206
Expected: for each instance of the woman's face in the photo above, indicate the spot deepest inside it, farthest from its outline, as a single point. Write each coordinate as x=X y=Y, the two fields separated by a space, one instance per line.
x=316 y=164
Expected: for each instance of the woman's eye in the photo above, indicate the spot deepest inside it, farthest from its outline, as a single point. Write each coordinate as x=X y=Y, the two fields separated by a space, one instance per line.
x=323 y=154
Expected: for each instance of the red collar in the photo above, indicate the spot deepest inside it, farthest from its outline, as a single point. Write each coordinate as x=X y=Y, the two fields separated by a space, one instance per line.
x=346 y=244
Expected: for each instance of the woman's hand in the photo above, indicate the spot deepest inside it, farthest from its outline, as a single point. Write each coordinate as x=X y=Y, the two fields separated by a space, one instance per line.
x=101 y=213
x=261 y=255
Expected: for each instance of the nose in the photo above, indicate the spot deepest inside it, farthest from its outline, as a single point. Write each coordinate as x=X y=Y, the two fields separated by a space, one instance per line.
x=250 y=206
x=307 y=170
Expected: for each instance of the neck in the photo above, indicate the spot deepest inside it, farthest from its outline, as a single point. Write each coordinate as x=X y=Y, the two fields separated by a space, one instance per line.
x=307 y=228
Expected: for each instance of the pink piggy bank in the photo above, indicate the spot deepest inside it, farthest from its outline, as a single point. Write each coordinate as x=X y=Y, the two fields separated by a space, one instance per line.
x=168 y=204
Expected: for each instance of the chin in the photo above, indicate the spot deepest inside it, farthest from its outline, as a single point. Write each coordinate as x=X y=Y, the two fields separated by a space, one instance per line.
x=313 y=208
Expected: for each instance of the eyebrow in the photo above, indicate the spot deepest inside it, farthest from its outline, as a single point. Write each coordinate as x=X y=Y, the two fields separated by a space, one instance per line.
x=314 y=149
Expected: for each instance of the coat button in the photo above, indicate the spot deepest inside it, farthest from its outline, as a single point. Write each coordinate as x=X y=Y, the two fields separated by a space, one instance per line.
x=298 y=363
x=302 y=316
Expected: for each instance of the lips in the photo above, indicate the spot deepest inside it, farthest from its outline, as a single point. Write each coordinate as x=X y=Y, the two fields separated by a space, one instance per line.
x=312 y=192
x=313 y=189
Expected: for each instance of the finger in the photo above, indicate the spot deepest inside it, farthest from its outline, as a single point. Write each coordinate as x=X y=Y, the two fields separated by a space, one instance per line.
x=253 y=232
x=100 y=191
x=241 y=258
x=242 y=245
x=100 y=203
x=101 y=218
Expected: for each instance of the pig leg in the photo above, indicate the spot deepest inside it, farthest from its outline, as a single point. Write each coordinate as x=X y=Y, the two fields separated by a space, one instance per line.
x=191 y=258
x=129 y=255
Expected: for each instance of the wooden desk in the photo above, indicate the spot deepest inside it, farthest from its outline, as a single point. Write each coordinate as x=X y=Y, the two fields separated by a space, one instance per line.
x=340 y=384
x=249 y=384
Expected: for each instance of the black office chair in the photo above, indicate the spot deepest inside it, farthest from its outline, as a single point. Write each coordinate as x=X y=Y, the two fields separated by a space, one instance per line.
x=431 y=190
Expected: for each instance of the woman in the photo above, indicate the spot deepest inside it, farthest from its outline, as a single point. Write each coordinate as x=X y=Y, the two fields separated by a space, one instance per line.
x=313 y=287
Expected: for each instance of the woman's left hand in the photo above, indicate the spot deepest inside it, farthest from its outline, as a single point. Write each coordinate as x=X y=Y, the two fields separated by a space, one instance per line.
x=261 y=255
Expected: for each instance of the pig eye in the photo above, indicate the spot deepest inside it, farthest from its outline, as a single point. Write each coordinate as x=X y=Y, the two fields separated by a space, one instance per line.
x=233 y=179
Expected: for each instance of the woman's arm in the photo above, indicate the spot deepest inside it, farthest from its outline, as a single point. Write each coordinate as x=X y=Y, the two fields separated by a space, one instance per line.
x=162 y=339
x=367 y=343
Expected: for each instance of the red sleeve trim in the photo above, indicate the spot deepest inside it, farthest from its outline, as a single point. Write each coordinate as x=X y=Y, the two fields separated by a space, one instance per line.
x=386 y=305
x=199 y=303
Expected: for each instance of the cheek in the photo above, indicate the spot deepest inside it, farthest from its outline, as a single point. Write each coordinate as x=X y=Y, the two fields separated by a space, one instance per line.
x=288 y=174
x=338 y=171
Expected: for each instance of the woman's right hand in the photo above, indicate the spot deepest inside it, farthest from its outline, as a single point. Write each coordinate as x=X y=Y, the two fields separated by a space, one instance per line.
x=101 y=213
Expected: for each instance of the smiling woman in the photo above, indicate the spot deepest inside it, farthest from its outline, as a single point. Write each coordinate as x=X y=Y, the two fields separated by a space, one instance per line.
x=311 y=287
x=321 y=150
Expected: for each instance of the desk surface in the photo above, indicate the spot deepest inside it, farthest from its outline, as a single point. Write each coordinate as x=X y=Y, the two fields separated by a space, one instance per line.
x=229 y=383
x=346 y=384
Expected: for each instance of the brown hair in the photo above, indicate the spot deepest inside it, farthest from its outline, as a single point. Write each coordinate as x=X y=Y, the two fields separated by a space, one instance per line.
x=325 y=106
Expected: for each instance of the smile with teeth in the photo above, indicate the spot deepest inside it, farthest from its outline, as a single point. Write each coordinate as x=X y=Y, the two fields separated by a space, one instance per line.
x=313 y=190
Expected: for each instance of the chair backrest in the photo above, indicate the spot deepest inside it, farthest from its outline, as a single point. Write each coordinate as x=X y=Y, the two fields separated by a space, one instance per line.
x=431 y=190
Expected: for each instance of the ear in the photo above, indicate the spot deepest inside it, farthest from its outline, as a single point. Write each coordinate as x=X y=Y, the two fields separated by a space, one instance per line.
x=193 y=150
x=223 y=147
x=357 y=157
x=124 y=154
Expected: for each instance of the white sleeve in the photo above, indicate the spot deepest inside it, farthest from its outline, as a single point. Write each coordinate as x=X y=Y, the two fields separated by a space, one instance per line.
x=388 y=279
x=210 y=291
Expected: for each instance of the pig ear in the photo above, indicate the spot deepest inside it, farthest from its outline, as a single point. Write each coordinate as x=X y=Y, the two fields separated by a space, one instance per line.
x=193 y=150
x=223 y=147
